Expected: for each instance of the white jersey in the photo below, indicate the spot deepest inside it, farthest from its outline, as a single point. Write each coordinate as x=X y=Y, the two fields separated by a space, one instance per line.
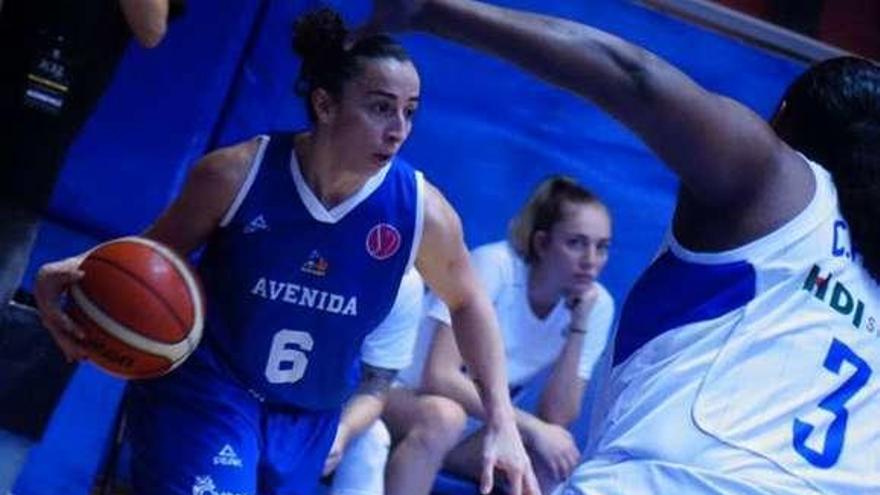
x=390 y=345
x=750 y=371
x=530 y=343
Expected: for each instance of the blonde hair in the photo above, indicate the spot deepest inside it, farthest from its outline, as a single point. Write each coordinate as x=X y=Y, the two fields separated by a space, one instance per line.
x=544 y=209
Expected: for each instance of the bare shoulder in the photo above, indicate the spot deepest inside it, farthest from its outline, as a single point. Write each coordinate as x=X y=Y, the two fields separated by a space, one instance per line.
x=226 y=167
x=441 y=219
x=443 y=257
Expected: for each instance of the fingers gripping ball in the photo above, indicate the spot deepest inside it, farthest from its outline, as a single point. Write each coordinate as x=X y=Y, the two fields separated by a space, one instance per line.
x=140 y=307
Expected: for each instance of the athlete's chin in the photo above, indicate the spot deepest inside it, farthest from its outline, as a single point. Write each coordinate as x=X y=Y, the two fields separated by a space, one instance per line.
x=580 y=286
x=379 y=160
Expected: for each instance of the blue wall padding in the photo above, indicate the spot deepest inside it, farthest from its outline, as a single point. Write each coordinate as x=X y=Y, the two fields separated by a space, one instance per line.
x=485 y=135
x=154 y=121
x=70 y=455
x=262 y=96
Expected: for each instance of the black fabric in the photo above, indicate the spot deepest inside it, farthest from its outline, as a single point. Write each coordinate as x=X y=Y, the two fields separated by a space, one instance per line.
x=51 y=50
x=33 y=373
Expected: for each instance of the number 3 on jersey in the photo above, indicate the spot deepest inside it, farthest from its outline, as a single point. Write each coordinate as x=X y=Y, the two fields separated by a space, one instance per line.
x=287 y=357
x=835 y=403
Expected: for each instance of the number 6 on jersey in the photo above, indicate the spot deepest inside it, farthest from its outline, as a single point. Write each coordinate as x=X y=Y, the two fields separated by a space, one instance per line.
x=287 y=358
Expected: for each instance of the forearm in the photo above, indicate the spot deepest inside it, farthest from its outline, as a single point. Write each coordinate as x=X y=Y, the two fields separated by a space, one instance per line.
x=479 y=341
x=361 y=411
x=458 y=387
x=661 y=104
x=594 y=64
x=561 y=399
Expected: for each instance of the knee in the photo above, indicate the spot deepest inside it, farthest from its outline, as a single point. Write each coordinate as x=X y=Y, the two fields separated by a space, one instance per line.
x=439 y=424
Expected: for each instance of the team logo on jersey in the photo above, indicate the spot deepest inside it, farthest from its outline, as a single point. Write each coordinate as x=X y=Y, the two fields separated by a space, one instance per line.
x=258 y=223
x=383 y=241
x=227 y=457
x=316 y=264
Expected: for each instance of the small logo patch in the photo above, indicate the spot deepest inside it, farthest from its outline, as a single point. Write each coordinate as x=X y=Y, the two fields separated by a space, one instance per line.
x=316 y=264
x=227 y=457
x=258 y=223
x=383 y=241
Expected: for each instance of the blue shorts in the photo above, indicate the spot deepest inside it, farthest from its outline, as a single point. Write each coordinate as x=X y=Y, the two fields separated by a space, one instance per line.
x=198 y=432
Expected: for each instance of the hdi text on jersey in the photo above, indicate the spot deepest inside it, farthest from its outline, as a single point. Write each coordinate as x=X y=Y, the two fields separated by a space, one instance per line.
x=840 y=298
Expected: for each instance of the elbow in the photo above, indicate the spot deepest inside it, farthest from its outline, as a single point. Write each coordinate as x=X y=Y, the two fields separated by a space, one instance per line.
x=151 y=34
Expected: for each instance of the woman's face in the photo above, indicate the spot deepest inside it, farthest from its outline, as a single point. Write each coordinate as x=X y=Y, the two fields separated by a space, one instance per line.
x=373 y=117
x=575 y=250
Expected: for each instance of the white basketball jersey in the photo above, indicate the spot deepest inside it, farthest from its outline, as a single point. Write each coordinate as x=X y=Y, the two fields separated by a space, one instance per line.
x=754 y=370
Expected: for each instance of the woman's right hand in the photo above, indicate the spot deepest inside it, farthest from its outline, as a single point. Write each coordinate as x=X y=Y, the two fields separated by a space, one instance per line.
x=555 y=450
x=53 y=281
x=581 y=305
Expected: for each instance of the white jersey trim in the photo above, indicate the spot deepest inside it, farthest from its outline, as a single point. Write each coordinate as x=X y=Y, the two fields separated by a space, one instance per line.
x=317 y=209
x=813 y=215
x=420 y=220
x=248 y=181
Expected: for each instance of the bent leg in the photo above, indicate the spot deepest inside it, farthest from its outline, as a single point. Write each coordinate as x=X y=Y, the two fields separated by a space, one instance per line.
x=425 y=427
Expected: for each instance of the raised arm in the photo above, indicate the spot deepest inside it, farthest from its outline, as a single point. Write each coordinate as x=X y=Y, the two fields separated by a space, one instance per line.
x=443 y=262
x=147 y=19
x=725 y=155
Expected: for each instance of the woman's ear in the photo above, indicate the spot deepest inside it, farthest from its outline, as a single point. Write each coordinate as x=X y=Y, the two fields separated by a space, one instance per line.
x=323 y=105
x=540 y=243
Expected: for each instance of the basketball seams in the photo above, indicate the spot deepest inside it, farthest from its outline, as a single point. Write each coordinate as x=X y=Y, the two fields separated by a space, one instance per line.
x=156 y=294
x=172 y=352
x=124 y=334
x=194 y=334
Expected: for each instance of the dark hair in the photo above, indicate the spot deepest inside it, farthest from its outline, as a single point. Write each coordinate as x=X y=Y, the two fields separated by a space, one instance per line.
x=544 y=209
x=319 y=38
x=831 y=114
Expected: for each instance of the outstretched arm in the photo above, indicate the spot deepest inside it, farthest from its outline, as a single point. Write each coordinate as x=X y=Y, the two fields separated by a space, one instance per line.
x=444 y=263
x=725 y=155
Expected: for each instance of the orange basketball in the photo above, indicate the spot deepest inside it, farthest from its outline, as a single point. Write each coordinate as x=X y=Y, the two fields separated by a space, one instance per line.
x=140 y=307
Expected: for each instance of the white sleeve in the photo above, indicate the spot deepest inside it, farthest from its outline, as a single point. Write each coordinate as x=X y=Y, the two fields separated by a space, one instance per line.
x=390 y=345
x=493 y=264
x=598 y=335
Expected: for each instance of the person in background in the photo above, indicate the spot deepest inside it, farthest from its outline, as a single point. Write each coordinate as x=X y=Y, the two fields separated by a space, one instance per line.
x=555 y=319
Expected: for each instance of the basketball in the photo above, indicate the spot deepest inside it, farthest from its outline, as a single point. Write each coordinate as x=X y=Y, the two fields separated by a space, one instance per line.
x=140 y=307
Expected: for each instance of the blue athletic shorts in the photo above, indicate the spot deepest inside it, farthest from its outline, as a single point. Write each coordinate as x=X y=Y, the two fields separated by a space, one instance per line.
x=198 y=432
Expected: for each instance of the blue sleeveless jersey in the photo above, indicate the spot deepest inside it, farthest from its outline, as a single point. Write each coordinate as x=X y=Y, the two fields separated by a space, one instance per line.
x=293 y=289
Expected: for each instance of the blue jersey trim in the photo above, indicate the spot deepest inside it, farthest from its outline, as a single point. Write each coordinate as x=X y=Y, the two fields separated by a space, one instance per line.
x=673 y=292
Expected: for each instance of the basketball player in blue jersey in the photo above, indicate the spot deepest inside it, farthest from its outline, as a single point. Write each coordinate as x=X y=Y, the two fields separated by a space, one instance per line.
x=307 y=236
x=749 y=355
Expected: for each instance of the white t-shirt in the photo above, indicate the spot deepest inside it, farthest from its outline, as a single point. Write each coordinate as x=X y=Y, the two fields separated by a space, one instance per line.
x=530 y=343
x=390 y=345
x=753 y=370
